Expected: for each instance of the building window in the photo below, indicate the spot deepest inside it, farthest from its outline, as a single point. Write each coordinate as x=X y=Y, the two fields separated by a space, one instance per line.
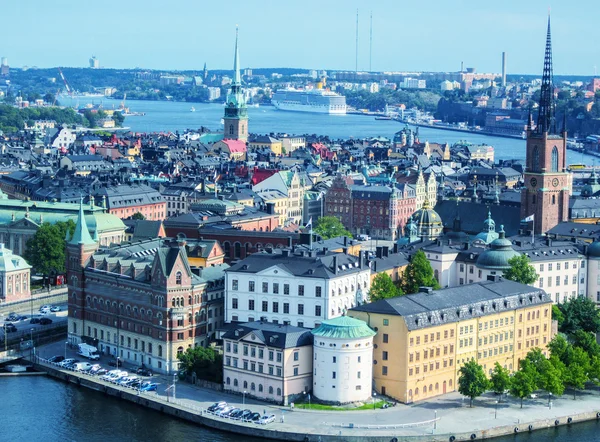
x=265 y=287
x=286 y=289
x=333 y=375
x=554 y=162
x=301 y=290
x=178 y=278
x=318 y=292
x=384 y=356
x=296 y=355
x=276 y=288
x=265 y=306
x=385 y=338
x=384 y=370
x=234 y=284
x=295 y=371
x=250 y=286
x=275 y=307
x=386 y=322
x=251 y=304
x=286 y=308
x=317 y=310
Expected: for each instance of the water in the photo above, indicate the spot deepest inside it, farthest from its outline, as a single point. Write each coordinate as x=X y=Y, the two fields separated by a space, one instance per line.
x=172 y=116
x=40 y=408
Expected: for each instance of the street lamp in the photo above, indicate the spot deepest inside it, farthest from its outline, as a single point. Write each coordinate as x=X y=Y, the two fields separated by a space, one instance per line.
x=435 y=420
x=31 y=340
x=244 y=398
x=66 y=343
x=374 y=396
x=308 y=395
x=496 y=411
x=549 y=400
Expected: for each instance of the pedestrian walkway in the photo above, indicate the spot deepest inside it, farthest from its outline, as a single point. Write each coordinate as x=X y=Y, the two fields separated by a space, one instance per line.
x=445 y=415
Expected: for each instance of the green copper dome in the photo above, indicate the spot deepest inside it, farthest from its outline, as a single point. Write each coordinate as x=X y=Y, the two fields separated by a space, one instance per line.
x=343 y=327
x=498 y=255
x=593 y=250
x=488 y=234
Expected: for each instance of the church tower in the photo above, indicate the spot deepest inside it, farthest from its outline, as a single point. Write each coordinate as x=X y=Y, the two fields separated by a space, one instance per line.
x=235 y=121
x=546 y=192
x=80 y=247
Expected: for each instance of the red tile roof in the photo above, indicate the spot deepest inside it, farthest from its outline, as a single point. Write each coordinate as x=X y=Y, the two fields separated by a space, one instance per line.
x=236 y=146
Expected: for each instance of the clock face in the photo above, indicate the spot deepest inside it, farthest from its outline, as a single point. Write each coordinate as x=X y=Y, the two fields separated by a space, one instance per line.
x=533 y=182
x=555 y=182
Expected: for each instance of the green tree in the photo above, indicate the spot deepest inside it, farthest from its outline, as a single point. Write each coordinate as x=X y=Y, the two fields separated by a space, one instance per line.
x=418 y=273
x=586 y=341
x=557 y=315
x=523 y=382
x=383 y=287
x=137 y=215
x=577 y=369
x=46 y=249
x=118 y=117
x=206 y=363
x=580 y=313
x=548 y=375
x=472 y=381
x=331 y=227
x=500 y=379
x=520 y=270
x=49 y=98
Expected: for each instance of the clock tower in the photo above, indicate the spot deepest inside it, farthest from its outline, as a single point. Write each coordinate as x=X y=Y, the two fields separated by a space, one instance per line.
x=235 y=120
x=547 y=182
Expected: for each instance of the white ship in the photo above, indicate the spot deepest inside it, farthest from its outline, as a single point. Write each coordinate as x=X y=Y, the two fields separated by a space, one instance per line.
x=310 y=100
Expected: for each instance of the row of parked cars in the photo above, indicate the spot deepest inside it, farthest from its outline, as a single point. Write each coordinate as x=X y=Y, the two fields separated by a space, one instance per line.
x=222 y=409
x=117 y=377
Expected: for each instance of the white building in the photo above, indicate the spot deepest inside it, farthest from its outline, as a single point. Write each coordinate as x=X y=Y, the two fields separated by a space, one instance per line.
x=214 y=93
x=301 y=288
x=292 y=185
x=343 y=360
x=14 y=277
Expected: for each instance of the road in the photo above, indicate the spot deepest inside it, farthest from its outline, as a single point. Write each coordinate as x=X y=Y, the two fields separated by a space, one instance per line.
x=24 y=326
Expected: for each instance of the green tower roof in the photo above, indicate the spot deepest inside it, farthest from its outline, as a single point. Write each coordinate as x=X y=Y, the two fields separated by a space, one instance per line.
x=81 y=235
x=343 y=327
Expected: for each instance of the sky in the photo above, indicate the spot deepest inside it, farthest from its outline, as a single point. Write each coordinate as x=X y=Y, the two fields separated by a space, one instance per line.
x=423 y=35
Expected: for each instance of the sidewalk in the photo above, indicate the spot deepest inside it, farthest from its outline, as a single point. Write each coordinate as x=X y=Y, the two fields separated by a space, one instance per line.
x=451 y=410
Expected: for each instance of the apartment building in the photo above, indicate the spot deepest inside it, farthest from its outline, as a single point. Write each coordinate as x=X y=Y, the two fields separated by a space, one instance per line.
x=297 y=287
x=271 y=362
x=423 y=339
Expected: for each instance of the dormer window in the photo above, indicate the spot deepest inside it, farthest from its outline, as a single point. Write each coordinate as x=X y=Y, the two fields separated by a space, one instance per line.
x=178 y=278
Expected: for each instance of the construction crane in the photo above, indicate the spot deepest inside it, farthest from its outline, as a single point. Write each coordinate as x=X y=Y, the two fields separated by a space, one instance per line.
x=56 y=97
x=69 y=90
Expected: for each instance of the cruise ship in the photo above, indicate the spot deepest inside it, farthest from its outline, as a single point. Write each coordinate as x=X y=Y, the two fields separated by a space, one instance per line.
x=310 y=100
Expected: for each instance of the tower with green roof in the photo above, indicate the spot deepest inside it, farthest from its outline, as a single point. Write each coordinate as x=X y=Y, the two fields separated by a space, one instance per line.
x=235 y=120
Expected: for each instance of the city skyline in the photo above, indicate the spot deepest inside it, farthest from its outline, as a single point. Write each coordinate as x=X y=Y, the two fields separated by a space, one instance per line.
x=405 y=37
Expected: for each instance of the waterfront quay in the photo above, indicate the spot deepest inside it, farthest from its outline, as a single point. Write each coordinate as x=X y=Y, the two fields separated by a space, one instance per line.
x=440 y=419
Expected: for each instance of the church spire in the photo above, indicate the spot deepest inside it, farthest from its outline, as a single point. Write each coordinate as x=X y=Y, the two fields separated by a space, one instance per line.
x=546 y=112
x=81 y=234
x=237 y=78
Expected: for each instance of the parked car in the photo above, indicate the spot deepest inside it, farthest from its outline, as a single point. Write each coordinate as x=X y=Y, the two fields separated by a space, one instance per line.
x=82 y=366
x=253 y=417
x=45 y=321
x=110 y=374
x=148 y=386
x=45 y=307
x=235 y=414
x=117 y=362
x=143 y=371
x=95 y=369
x=245 y=414
x=34 y=320
x=223 y=411
x=55 y=308
x=217 y=406
x=67 y=361
x=101 y=372
x=230 y=412
x=266 y=419
x=126 y=380
x=363 y=237
x=56 y=359
x=9 y=328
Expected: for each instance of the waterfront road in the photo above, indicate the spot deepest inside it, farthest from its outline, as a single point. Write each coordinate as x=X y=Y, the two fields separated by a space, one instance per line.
x=451 y=410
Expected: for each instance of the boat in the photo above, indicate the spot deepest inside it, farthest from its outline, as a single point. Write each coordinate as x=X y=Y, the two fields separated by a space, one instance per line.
x=310 y=100
x=16 y=368
x=193 y=109
x=383 y=118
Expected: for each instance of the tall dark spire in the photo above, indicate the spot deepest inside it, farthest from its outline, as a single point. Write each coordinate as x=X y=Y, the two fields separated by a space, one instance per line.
x=546 y=111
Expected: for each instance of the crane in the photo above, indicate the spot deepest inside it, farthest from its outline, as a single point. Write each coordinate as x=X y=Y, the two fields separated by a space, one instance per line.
x=69 y=90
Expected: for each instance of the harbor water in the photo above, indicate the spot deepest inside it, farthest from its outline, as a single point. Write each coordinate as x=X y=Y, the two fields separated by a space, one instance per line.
x=38 y=408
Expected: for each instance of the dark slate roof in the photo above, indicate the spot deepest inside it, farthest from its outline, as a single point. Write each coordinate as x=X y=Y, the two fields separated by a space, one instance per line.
x=79 y=158
x=143 y=229
x=575 y=230
x=473 y=214
x=546 y=249
x=422 y=310
x=273 y=335
x=316 y=266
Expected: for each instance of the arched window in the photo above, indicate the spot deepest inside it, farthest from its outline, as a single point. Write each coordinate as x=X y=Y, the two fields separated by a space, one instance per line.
x=178 y=278
x=252 y=386
x=237 y=250
x=555 y=159
x=235 y=382
x=179 y=350
x=417 y=391
x=228 y=381
x=436 y=274
x=231 y=129
x=279 y=392
x=260 y=388
x=270 y=390
x=245 y=384
x=553 y=199
x=160 y=351
x=535 y=164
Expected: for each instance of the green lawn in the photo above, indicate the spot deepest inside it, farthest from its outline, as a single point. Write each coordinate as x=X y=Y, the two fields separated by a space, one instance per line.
x=367 y=406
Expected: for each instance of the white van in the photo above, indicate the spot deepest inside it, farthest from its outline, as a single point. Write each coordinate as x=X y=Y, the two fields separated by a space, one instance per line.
x=82 y=366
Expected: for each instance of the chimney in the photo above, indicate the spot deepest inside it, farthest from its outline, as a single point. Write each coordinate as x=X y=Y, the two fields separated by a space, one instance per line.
x=385 y=251
x=494 y=278
x=428 y=290
x=335 y=266
x=361 y=259
x=378 y=251
x=290 y=242
x=503 y=69
x=285 y=253
x=395 y=247
x=345 y=241
x=325 y=250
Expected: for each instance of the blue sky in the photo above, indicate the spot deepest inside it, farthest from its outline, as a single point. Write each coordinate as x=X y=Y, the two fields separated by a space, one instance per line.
x=425 y=35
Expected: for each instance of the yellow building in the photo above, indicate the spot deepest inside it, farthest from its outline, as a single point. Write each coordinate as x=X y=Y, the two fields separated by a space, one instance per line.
x=279 y=201
x=423 y=339
x=262 y=141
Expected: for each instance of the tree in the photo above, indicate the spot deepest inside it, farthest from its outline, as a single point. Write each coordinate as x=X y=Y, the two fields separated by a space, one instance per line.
x=586 y=341
x=500 y=379
x=46 y=249
x=418 y=273
x=520 y=270
x=331 y=227
x=580 y=313
x=523 y=382
x=577 y=369
x=138 y=215
x=206 y=363
x=383 y=287
x=557 y=315
x=472 y=381
x=548 y=375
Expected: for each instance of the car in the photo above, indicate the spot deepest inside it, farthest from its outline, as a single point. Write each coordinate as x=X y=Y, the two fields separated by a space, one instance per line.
x=56 y=359
x=110 y=374
x=34 y=320
x=10 y=328
x=11 y=318
x=45 y=321
x=217 y=406
x=101 y=372
x=266 y=419
x=95 y=369
x=148 y=386
x=126 y=380
x=143 y=371
x=223 y=411
x=236 y=414
x=82 y=366
x=67 y=361
x=230 y=412
x=137 y=383
x=245 y=414
x=363 y=237
x=45 y=307
x=253 y=417
x=117 y=362
x=55 y=308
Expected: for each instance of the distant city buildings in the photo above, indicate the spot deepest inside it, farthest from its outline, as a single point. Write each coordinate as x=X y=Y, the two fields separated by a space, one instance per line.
x=94 y=62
